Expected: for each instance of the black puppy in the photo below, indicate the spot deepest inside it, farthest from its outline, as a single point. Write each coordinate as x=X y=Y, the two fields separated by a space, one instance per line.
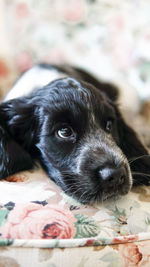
x=74 y=128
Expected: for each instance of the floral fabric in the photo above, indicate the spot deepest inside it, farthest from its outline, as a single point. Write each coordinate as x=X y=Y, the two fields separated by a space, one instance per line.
x=122 y=255
x=35 y=213
x=101 y=36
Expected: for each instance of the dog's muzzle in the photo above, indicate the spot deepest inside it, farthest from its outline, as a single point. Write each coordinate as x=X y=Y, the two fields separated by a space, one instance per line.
x=105 y=170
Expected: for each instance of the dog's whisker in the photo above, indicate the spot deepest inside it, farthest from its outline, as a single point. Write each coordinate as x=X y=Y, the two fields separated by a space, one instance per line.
x=73 y=187
x=136 y=158
x=140 y=173
x=83 y=194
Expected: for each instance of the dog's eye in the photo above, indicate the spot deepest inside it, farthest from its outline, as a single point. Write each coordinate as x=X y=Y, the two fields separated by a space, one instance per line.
x=109 y=126
x=65 y=132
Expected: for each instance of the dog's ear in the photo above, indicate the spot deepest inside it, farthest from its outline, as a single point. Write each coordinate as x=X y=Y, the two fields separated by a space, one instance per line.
x=110 y=90
x=19 y=118
x=107 y=88
x=135 y=151
x=13 y=158
x=17 y=136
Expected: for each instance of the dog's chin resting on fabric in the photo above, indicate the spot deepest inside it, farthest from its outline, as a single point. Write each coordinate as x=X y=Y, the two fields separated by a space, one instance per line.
x=74 y=128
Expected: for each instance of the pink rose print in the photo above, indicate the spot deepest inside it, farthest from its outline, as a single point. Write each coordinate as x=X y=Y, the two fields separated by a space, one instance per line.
x=125 y=239
x=89 y=242
x=22 y=11
x=73 y=11
x=130 y=254
x=34 y=221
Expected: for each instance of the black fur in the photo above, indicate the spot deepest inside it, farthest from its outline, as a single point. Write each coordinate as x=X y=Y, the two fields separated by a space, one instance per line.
x=29 y=127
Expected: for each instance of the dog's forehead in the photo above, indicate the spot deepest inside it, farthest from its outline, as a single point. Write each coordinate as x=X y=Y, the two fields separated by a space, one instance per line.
x=78 y=98
x=75 y=89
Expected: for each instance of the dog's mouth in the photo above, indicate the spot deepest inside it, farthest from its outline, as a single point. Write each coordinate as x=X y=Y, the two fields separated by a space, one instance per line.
x=93 y=182
x=89 y=193
x=96 y=196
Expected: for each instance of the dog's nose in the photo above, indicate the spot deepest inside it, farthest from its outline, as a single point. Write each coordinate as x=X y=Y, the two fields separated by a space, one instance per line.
x=110 y=176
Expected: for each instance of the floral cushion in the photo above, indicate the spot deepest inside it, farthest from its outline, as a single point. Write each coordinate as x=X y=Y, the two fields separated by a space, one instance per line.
x=34 y=211
x=31 y=31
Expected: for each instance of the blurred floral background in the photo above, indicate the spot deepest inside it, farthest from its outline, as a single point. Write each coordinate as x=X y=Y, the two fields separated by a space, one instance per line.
x=111 y=38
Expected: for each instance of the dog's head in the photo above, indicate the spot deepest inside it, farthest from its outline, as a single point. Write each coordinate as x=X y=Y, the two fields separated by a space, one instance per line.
x=80 y=138
x=79 y=141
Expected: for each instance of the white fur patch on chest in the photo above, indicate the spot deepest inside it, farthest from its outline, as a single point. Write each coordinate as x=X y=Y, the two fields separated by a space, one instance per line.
x=34 y=78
